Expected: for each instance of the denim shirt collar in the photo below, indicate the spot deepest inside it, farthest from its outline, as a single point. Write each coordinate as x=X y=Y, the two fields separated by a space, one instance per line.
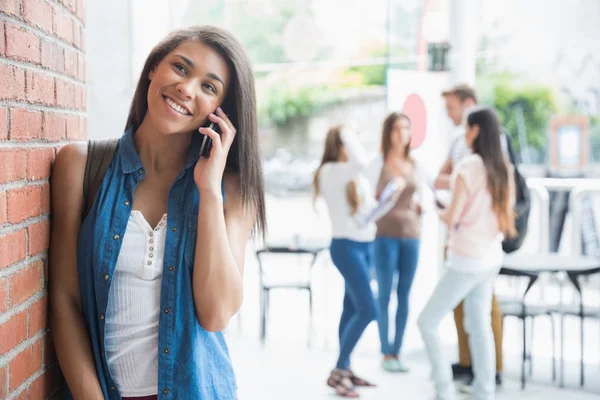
x=130 y=160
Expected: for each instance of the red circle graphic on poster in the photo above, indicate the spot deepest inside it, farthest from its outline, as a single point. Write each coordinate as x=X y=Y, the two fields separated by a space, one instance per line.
x=414 y=107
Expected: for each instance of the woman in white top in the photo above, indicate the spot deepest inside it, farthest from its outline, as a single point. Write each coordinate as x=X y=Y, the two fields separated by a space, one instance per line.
x=340 y=182
x=478 y=216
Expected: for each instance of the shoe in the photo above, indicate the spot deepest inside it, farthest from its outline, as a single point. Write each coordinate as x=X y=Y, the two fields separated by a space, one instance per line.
x=467 y=386
x=460 y=371
x=393 y=365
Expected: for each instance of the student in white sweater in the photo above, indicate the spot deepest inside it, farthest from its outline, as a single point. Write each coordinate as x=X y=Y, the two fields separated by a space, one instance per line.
x=339 y=180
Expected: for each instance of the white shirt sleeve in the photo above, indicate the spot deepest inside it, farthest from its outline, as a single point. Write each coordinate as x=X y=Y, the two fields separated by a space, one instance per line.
x=346 y=171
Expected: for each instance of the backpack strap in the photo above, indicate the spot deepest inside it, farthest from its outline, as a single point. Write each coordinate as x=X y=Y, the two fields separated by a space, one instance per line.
x=510 y=148
x=100 y=155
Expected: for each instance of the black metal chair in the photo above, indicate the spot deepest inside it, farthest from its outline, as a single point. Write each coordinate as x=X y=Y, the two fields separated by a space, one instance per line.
x=582 y=312
x=267 y=286
x=515 y=307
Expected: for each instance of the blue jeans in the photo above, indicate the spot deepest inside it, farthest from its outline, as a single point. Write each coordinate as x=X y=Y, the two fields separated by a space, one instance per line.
x=401 y=256
x=353 y=260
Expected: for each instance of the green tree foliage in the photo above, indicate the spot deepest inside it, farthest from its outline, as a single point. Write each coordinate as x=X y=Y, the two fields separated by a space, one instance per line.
x=537 y=102
x=284 y=103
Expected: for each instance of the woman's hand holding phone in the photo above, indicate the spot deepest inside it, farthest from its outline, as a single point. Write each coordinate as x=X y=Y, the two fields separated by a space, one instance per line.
x=208 y=172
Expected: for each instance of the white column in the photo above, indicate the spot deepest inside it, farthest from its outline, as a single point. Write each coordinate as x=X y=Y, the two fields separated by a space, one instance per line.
x=110 y=83
x=463 y=40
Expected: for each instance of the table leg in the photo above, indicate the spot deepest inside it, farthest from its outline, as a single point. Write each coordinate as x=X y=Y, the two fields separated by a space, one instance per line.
x=562 y=336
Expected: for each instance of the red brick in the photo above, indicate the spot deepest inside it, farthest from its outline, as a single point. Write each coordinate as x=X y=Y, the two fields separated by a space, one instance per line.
x=80 y=10
x=83 y=128
x=47 y=58
x=25 y=364
x=71 y=5
x=3 y=124
x=40 y=388
x=38 y=317
x=59 y=59
x=63 y=25
x=73 y=131
x=14 y=165
x=40 y=162
x=13 y=247
x=76 y=36
x=13 y=332
x=12 y=82
x=21 y=395
x=11 y=7
x=2 y=39
x=54 y=126
x=53 y=57
x=40 y=88
x=24 y=203
x=78 y=97
x=3 y=295
x=22 y=45
x=71 y=63
x=39 y=237
x=46 y=197
x=2 y=208
x=3 y=383
x=25 y=124
x=82 y=30
x=65 y=94
x=45 y=384
x=81 y=67
x=84 y=99
x=25 y=283
x=38 y=13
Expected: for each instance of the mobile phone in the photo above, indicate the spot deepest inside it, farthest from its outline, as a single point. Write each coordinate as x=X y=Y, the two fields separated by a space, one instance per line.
x=206 y=145
x=438 y=203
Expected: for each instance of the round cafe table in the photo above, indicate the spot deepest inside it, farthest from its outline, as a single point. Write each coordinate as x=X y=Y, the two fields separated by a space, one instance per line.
x=532 y=265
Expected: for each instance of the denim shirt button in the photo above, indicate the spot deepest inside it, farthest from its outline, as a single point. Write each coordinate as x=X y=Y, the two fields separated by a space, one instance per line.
x=101 y=316
x=166 y=391
x=175 y=196
x=126 y=203
x=171 y=268
x=174 y=229
x=106 y=277
x=167 y=311
x=116 y=237
x=166 y=351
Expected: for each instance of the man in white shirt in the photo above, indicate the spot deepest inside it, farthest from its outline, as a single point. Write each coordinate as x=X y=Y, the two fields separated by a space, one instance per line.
x=458 y=101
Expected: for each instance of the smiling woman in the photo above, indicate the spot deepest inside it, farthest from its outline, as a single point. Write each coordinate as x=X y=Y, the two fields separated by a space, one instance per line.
x=143 y=284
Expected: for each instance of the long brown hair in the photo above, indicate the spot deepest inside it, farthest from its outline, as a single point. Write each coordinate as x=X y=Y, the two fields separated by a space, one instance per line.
x=239 y=104
x=386 y=135
x=332 y=153
x=487 y=146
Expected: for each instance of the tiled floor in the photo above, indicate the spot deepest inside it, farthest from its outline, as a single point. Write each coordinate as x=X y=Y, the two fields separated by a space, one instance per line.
x=280 y=371
x=285 y=369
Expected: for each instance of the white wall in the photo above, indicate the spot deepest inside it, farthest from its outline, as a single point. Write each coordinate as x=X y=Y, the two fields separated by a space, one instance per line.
x=119 y=36
x=109 y=80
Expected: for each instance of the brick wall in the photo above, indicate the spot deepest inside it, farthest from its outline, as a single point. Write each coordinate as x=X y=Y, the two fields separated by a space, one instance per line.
x=42 y=107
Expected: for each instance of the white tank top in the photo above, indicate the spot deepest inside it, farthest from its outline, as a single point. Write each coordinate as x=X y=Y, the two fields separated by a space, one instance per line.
x=133 y=308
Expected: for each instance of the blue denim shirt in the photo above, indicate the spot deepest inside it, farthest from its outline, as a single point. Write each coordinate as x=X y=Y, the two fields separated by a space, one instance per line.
x=192 y=363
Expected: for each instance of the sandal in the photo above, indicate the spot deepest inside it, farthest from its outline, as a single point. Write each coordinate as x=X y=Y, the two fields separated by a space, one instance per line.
x=359 y=381
x=341 y=381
